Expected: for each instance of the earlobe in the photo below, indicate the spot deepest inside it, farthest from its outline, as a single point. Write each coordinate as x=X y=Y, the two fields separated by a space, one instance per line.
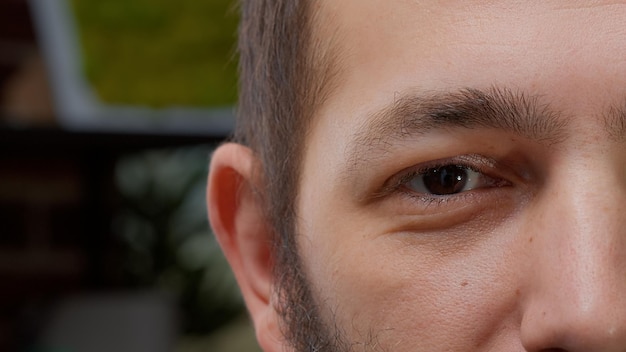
x=241 y=228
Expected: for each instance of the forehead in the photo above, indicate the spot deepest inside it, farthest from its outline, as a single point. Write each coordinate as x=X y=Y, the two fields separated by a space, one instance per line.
x=389 y=45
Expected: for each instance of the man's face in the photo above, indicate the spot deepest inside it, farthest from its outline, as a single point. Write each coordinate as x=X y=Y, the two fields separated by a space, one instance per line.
x=463 y=187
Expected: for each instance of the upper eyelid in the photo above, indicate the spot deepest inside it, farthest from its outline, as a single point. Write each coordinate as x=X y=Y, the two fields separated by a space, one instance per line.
x=471 y=161
x=423 y=170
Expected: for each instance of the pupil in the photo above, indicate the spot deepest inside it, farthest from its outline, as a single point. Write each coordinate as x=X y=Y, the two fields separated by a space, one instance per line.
x=449 y=179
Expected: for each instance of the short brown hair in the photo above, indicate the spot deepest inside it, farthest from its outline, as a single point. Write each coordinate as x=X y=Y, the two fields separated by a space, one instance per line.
x=284 y=72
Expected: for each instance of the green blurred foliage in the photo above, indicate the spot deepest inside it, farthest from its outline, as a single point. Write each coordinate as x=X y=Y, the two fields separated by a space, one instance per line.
x=159 y=53
x=162 y=223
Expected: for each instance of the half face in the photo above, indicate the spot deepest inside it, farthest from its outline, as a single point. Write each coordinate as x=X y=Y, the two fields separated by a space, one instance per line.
x=463 y=186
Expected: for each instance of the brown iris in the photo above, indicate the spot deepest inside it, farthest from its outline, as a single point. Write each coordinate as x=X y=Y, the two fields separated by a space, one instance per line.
x=444 y=180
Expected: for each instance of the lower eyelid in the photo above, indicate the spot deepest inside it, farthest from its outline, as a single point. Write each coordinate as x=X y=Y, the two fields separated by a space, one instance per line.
x=425 y=203
x=417 y=215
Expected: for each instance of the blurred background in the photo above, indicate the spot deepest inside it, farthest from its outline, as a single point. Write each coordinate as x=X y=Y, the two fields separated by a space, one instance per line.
x=109 y=110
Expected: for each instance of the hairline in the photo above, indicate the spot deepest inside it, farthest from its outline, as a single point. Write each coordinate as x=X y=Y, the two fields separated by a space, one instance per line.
x=287 y=68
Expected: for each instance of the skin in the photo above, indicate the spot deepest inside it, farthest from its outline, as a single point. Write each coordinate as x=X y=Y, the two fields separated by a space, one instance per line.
x=533 y=262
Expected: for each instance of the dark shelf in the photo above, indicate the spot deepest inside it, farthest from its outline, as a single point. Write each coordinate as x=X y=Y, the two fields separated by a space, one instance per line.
x=52 y=140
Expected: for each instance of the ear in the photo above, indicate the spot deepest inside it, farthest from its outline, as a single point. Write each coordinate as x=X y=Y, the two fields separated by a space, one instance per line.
x=244 y=234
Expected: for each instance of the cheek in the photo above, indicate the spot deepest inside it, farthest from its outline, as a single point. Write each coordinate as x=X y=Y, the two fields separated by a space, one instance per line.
x=388 y=290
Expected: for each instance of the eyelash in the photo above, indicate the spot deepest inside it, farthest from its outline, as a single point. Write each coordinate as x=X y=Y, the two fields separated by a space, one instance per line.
x=477 y=163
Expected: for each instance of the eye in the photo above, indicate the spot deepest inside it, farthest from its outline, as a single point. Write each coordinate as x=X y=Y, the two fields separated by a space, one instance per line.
x=447 y=180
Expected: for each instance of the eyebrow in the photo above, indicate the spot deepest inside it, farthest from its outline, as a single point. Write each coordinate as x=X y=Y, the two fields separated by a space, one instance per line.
x=411 y=115
x=615 y=122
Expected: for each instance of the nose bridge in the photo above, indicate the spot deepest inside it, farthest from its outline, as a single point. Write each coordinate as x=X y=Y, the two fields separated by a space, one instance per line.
x=577 y=298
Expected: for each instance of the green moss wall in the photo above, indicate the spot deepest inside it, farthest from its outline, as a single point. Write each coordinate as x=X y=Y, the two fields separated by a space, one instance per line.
x=159 y=53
